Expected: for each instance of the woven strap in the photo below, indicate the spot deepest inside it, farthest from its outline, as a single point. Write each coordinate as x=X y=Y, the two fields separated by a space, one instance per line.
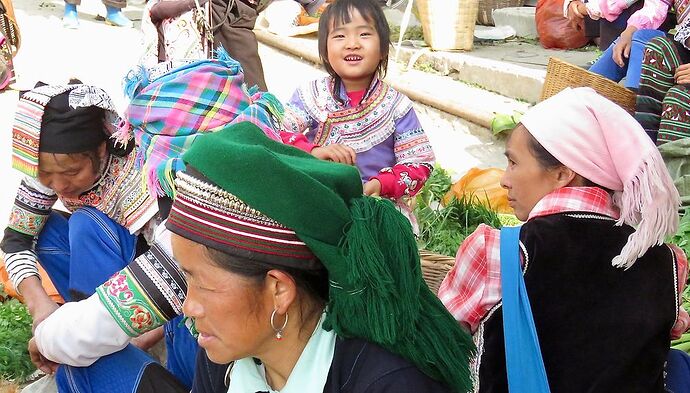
x=524 y=363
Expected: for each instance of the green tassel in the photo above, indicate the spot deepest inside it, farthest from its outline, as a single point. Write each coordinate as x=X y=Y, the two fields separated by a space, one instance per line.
x=272 y=105
x=374 y=296
x=382 y=297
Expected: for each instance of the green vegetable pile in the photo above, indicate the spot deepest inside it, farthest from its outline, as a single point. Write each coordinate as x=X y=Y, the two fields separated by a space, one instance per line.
x=15 y=332
x=442 y=228
x=682 y=240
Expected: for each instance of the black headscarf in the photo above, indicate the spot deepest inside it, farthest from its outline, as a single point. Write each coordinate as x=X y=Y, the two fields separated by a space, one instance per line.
x=67 y=130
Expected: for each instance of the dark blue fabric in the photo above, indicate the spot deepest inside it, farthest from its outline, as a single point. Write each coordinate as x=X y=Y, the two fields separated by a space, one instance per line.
x=524 y=363
x=119 y=372
x=678 y=372
x=81 y=252
x=181 y=351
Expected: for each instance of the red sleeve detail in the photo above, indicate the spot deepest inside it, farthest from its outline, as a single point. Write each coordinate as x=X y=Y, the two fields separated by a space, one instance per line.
x=472 y=286
x=297 y=140
x=402 y=180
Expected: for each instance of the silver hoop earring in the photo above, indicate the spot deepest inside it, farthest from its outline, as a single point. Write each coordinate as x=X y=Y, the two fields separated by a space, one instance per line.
x=279 y=331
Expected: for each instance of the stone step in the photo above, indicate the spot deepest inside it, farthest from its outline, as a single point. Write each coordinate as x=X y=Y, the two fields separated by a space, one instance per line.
x=521 y=19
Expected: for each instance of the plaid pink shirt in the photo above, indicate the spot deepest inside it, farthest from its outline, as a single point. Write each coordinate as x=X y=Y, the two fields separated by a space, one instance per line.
x=473 y=286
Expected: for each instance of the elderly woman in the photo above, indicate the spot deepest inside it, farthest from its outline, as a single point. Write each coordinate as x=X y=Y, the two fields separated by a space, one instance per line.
x=299 y=281
x=604 y=295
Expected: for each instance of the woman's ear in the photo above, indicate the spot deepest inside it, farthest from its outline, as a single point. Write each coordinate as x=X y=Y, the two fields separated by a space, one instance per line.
x=283 y=290
x=564 y=176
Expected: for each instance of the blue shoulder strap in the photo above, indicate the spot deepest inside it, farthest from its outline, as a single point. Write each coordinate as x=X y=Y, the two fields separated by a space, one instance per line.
x=524 y=363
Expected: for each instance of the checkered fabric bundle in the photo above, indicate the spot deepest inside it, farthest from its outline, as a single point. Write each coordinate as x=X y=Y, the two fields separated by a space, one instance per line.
x=175 y=102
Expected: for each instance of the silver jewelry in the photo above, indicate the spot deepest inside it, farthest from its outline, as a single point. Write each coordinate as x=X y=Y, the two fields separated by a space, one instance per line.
x=279 y=331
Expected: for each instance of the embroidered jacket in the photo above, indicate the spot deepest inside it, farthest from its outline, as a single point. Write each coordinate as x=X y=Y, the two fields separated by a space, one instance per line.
x=119 y=193
x=473 y=287
x=383 y=130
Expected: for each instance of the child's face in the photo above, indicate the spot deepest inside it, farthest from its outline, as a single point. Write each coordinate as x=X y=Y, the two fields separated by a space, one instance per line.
x=354 y=51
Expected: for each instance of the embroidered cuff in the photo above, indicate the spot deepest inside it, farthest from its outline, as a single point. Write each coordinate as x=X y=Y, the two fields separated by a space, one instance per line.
x=683 y=33
x=146 y=294
x=388 y=181
x=21 y=265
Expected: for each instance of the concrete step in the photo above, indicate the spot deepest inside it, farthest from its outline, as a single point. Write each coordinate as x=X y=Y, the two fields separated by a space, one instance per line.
x=521 y=19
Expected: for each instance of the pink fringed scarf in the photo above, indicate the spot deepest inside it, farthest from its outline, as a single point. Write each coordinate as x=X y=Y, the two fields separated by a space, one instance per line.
x=601 y=142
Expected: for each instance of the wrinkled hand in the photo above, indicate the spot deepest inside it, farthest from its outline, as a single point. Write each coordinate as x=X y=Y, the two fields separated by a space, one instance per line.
x=576 y=11
x=148 y=339
x=621 y=50
x=372 y=187
x=43 y=364
x=41 y=311
x=682 y=75
x=336 y=153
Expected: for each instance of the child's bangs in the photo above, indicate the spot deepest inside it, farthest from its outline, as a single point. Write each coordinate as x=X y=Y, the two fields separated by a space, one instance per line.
x=342 y=14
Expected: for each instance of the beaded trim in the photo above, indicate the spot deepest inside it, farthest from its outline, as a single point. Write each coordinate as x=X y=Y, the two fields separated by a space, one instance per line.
x=213 y=197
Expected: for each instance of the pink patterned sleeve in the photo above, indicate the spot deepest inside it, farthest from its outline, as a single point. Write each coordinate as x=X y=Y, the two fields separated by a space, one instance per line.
x=402 y=180
x=611 y=9
x=682 y=320
x=414 y=159
x=473 y=286
x=650 y=16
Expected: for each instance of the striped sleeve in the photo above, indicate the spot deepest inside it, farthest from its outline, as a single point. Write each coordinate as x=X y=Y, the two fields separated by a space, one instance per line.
x=148 y=292
x=21 y=265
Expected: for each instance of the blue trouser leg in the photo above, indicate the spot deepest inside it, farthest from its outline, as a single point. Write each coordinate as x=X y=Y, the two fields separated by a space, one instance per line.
x=182 y=348
x=640 y=39
x=119 y=372
x=606 y=67
x=678 y=372
x=82 y=252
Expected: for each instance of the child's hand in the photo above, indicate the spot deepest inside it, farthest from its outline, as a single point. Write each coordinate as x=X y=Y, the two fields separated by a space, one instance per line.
x=576 y=10
x=683 y=74
x=372 y=187
x=336 y=153
x=622 y=48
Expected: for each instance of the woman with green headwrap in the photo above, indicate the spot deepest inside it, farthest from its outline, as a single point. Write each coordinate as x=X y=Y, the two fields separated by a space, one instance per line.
x=299 y=281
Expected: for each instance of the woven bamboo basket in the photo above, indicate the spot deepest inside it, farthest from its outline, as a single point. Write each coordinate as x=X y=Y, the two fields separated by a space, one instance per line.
x=435 y=267
x=448 y=24
x=486 y=7
x=560 y=75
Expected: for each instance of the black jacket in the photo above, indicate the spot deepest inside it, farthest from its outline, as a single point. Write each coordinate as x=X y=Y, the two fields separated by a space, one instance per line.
x=358 y=367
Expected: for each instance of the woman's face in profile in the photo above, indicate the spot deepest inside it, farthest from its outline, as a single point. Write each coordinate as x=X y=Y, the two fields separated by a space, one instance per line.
x=525 y=179
x=229 y=310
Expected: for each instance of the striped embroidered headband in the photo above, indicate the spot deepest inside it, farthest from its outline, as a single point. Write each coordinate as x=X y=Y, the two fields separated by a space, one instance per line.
x=209 y=215
x=26 y=131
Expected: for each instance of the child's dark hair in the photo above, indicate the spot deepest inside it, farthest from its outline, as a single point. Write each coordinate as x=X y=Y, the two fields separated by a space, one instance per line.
x=338 y=13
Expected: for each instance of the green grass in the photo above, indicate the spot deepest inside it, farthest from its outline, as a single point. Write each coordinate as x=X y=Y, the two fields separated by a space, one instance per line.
x=442 y=228
x=15 y=332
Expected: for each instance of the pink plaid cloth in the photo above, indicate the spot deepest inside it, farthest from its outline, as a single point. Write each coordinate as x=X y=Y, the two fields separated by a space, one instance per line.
x=473 y=286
